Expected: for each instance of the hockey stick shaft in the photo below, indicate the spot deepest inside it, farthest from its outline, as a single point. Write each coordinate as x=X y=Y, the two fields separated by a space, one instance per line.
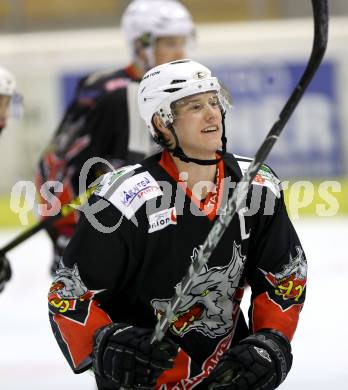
x=321 y=19
x=65 y=210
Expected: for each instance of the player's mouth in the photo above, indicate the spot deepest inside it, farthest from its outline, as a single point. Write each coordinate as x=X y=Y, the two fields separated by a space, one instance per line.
x=210 y=129
x=186 y=319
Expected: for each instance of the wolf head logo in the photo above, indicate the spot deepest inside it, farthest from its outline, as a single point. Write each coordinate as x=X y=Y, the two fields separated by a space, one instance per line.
x=68 y=282
x=208 y=306
x=297 y=266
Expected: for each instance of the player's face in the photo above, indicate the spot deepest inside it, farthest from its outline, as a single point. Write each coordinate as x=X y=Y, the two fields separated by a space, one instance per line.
x=198 y=125
x=169 y=49
x=4 y=104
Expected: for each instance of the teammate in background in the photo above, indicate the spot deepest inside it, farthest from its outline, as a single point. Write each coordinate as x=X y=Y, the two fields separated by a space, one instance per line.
x=103 y=119
x=7 y=91
x=110 y=288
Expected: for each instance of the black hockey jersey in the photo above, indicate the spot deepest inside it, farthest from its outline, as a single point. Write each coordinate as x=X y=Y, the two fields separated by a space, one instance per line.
x=96 y=124
x=135 y=243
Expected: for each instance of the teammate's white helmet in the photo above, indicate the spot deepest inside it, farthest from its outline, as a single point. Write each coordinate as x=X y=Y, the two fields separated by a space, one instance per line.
x=7 y=82
x=167 y=83
x=158 y=18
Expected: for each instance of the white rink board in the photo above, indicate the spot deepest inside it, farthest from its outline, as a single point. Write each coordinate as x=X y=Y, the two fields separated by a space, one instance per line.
x=30 y=358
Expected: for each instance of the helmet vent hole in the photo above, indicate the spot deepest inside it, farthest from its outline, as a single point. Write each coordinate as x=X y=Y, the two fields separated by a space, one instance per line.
x=178 y=81
x=171 y=90
x=180 y=62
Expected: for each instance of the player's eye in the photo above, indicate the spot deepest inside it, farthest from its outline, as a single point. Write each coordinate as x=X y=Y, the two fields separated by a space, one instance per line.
x=195 y=107
x=205 y=293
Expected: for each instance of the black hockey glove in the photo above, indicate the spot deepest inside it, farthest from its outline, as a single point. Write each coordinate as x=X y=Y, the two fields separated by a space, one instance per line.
x=123 y=357
x=5 y=272
x=259 y=362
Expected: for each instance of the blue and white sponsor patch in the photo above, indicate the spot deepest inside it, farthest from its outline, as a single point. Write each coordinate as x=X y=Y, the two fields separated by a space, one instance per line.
x=162 y=219
x=134 y=192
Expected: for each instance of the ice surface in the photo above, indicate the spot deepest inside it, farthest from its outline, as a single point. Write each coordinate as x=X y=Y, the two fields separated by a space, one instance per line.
x=30 y=359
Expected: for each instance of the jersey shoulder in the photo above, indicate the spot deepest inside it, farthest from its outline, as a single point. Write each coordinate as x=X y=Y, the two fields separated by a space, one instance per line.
x=106 y=81
x=130 y=187
x=265 y=176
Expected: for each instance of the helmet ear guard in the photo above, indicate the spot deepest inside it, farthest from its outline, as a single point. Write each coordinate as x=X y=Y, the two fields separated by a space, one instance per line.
x=7 y=82
x=8 y=87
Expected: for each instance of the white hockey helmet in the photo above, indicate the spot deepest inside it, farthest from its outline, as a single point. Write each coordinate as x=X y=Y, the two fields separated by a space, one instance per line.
x=170 y=82
x=7 y=82
x=157 y=18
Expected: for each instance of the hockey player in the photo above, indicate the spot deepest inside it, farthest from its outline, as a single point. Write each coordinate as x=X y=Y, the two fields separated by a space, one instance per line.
x=120 y=269
x=7 y=91
x=103 y=120
x=5 y=272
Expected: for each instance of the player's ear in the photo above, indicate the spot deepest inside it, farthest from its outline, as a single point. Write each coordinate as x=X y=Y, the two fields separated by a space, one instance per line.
x=140 y=50
x=158 y=122
x=163 y=131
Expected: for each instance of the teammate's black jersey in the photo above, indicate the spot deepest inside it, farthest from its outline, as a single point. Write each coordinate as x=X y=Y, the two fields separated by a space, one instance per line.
x=123 y=264
x=96 y=124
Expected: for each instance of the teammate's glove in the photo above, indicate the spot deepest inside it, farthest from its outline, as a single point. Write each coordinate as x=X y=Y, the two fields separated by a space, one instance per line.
x=5 y=272
x=259 y=362
x=123 y=357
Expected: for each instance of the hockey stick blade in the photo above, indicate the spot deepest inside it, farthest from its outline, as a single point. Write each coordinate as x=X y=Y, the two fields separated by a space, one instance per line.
x=321 y=22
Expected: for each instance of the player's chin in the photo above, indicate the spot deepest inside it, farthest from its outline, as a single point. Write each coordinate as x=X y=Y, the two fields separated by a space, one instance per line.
x=214 y=143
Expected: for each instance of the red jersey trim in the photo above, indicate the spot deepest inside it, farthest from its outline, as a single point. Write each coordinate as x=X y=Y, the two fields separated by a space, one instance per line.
x=131 y=72
x=210 y=205
x=79 y=337
x=267 y=314
x=180 y=371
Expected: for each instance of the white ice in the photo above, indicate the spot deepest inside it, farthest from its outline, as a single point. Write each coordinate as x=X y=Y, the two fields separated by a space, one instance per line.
x=30 y=359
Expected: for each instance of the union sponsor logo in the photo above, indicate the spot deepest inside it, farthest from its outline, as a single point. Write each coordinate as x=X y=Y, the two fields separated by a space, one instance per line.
x=162 y=219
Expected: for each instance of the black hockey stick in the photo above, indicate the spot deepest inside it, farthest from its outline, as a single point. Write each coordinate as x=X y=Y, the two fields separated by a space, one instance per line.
x=321 y=20
x=65 y=210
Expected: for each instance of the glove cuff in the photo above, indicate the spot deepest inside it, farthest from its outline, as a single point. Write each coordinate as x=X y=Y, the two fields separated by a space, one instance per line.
x=279 y=348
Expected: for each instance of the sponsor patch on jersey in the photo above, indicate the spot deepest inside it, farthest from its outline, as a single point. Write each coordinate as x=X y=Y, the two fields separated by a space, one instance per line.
x=162 y=219
x=134 y=192
x=109 y=179
x=264 y=177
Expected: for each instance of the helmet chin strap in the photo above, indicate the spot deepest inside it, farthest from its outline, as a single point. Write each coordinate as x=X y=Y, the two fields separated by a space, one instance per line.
x=178 y=152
